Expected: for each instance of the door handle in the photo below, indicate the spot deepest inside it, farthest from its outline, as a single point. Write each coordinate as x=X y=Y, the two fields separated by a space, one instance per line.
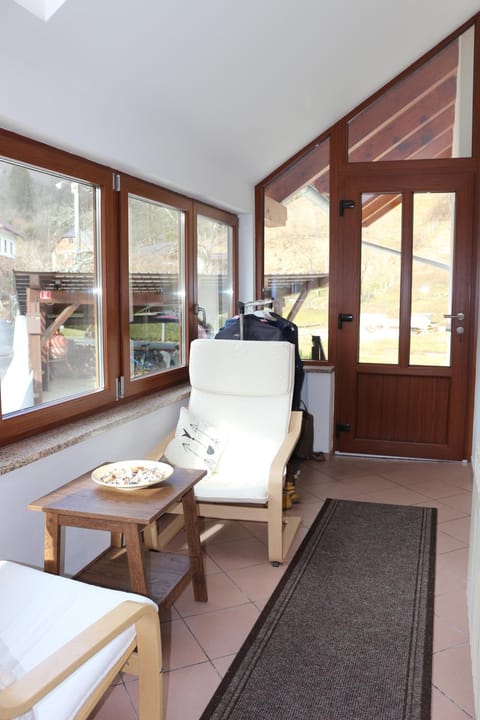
x=201 y=313
x=459 y=316
x=344 y=317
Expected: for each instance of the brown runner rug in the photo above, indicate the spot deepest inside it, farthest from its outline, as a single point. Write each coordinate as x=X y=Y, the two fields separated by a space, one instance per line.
x=347 y=634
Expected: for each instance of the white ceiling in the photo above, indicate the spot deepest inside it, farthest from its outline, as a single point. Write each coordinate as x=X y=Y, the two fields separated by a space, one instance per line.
x=205 y=96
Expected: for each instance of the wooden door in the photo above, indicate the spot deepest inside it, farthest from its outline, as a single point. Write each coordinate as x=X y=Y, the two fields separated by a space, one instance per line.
x=405 y=325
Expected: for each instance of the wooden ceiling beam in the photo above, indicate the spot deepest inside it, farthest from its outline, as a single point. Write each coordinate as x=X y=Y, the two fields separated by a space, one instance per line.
x=421 y=136
x=439 y=147
x=378 y=206
x=302 y=172
x=384 y=143
x=408 y=91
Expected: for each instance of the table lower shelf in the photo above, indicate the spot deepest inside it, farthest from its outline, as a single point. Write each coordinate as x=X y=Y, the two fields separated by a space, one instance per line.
x=167 y=574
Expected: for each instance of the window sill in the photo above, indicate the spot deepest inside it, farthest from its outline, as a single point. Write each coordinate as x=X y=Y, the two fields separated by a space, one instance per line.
x=24 y=452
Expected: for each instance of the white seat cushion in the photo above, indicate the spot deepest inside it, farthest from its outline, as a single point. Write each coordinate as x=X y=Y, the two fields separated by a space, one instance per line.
x=242 y=472
x=39 y=612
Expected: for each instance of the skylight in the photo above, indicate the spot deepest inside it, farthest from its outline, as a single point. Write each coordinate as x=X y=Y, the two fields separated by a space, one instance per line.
x=43 y=9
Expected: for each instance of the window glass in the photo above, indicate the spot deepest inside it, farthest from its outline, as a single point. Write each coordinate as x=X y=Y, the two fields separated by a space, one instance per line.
x=432 y=278
x=296 y=248
x=214 y=274
x=156 y=261
x=50 y=292
x=426 y=115
x=381 y=251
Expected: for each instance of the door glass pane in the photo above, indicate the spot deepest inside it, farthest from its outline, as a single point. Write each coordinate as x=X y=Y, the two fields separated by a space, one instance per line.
x=50 y=288
x=296 y=248
x=156 y=251
x=214 y=275
x=433 y=238
x=425 y=115
x=381 y=246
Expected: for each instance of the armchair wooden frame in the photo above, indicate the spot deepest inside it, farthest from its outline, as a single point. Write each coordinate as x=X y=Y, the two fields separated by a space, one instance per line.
x=142 y=658
x=281 y=527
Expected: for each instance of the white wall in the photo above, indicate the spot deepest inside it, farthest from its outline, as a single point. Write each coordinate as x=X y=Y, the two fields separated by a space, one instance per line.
x=21 y=530
x=473 y=585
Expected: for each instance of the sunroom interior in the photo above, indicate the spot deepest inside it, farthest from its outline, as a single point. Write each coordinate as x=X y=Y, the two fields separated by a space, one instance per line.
x=218 y=120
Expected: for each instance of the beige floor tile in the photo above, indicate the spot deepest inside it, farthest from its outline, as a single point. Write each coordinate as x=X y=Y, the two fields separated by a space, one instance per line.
x=222 y=632
x=307 y=496
x=222 y=664
x=323 y=488
x=452 y=676
x=211 y=567
x=186 y=691
x=257 y=529
x=443 y=708
x=406 y=473
x=261 y=602
x=459 y=529
x=396 y=496
x=258 y=582
x=452 y=608
x=343 y=467
x=447 y=543
x=444 y=512
x=435 y=489
x=221 y=531
x=447 y=581
x=368 y=484
x=308 y=513
x=222 y=593
x=115 y=705
x=456 y=562
x=233 y=555
x=297 y=541
x=179 y=647
x=417 y=470
x=462 y=502
x=445 y=635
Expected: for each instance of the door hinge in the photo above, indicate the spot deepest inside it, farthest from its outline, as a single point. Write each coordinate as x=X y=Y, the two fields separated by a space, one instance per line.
x=119 y=388
x=116 y=182
x=346 y=205
x=342 y=427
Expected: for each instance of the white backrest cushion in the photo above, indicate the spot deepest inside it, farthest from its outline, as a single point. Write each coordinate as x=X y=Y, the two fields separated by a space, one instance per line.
x=244 y=388
x=264 y=368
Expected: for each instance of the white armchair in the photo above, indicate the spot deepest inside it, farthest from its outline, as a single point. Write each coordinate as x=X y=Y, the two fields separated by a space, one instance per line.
x=240 y=426
x=62 y=642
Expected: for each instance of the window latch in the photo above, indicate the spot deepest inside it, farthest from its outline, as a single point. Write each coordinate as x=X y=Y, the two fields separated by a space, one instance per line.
x=119 y=388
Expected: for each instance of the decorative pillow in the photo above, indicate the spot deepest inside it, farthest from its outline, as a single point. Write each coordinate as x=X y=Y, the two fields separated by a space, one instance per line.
x=196 y=443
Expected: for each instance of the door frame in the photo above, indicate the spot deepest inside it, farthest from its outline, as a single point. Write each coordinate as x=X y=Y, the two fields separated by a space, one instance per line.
x=347 y=274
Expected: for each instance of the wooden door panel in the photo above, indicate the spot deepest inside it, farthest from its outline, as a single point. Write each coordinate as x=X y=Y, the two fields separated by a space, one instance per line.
x=402 y=408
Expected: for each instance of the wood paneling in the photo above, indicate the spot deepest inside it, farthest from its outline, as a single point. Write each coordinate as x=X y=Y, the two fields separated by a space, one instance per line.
x=402 y=408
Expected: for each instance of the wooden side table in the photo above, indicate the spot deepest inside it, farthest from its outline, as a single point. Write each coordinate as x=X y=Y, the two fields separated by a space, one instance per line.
x=127 y=564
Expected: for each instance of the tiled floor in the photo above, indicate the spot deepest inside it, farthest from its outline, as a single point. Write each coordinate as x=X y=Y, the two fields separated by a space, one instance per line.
x=200 y=640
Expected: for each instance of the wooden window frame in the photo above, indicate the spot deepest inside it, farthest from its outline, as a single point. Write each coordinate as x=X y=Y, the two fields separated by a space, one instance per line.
x=115 y=283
